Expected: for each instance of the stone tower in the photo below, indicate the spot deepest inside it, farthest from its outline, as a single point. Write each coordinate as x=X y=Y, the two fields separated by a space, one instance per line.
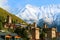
x=45 y=25
x=53 y=32
x=9 y=20
x=35 y=32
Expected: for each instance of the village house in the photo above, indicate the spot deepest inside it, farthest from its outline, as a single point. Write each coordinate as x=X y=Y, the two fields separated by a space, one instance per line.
x=50 y=33
x=8 y=23
x=35 y=31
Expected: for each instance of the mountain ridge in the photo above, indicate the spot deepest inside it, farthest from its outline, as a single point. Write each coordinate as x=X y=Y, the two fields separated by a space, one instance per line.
x=49 y=14
x=36 y=13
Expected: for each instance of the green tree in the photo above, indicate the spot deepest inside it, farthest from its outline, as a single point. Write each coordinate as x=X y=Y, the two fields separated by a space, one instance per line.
x=14 y=21
x=22 y=32
x=2 y=19
x=42 y=35
x=1 y=25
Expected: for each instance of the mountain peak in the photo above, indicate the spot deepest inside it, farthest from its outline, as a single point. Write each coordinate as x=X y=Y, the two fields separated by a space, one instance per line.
x=32 y=13
x=28 y=5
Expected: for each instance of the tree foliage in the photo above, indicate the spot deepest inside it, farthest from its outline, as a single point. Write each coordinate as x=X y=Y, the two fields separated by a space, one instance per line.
x=22 y=32
x=1 y=25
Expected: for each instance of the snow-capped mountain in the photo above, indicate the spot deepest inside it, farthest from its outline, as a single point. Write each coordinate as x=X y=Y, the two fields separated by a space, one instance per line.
x=29 y=13
x=49 y=14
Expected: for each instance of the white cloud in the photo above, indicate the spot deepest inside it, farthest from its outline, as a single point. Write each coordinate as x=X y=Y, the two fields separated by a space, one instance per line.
x=4 y=4
x=48 y=20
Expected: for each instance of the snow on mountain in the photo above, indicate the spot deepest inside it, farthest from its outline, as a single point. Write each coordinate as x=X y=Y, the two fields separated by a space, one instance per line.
x=29 y=13
x=33 y=14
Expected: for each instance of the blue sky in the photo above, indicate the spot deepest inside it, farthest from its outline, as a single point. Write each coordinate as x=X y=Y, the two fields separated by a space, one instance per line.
x=32 y=2
x=14 y=5
x=22 y=3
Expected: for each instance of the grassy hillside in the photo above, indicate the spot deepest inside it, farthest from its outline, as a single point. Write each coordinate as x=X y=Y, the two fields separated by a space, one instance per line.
x=4 y=14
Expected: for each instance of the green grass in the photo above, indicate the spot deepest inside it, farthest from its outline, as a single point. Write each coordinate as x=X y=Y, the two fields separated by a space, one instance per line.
x=4 y=14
